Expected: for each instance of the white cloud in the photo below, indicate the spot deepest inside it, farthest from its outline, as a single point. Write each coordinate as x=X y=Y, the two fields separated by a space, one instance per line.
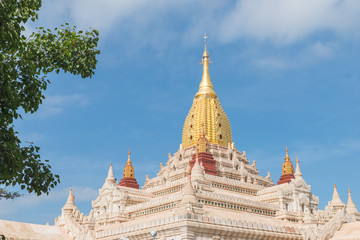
x=55 y=104
x=309 y=54
x=288 y=21
x=314 y=27
x=280 y=21
x=104 y=14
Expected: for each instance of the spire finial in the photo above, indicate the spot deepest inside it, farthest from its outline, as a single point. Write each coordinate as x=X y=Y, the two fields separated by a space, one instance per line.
x=287 y=169
x=297 y=170
x=350 y=206
x=205 y=37
x=129 y=169
x=110 y=176
x=336 y=201
x=129 y=161
x=70 y=202
x=287 y=158
x=206 y=86
x=196 y=171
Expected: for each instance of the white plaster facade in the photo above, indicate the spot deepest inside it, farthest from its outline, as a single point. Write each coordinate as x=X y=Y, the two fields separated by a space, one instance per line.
x=237 y=204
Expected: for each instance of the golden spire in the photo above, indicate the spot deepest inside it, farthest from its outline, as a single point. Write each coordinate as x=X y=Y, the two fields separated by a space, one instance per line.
x=287 y=158
x=288 y=167
x=206 y=86
x=128 y=162
x=129 y=169
x=206 y=109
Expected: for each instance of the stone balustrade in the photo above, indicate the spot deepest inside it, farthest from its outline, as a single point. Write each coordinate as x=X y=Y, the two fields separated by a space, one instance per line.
x=154 y=203
x=234 y=182
x=130 y=228
x=238 y=200
x=166 y=185
x=135 y=191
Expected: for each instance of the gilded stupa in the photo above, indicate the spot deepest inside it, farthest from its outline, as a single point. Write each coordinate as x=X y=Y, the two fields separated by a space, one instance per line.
x=129 y=179
x=206 y=109
x=287 y=169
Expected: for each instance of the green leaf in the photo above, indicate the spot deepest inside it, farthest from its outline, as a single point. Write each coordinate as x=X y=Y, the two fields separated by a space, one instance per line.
x=26 y=62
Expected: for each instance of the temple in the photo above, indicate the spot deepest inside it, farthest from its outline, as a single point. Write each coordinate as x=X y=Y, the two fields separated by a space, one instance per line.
x=209 y=190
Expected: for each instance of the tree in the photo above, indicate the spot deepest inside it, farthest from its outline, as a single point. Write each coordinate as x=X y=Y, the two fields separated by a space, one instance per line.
x=24 y=65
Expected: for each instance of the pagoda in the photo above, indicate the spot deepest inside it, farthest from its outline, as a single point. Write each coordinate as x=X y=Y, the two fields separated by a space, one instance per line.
x=128 y=179
x=287 y=170
x=208 y=189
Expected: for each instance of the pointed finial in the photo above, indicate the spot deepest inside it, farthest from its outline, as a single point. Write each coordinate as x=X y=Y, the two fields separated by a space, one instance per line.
x=70 y=202
x=71 y=196
x=196 y=171
x=297 y=170
x=287 y=158
x=128 y=169
x=129 y=161
x=206 y=86
x=110 y=176
x=206 y=54
x=350 y=206
x=336 y=201
x=287 y=169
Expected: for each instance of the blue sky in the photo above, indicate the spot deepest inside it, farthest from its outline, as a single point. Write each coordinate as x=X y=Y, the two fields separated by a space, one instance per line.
x=286 y=73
